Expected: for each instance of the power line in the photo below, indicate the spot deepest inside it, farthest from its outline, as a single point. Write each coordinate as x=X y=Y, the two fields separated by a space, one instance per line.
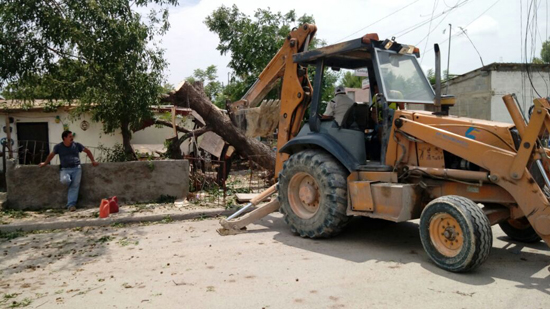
x=525 y=46
x=429 y=29
x=523 y=94
x=497 y=1
x=406 y=6
x=464 y=31
x=433 y=29
x=534 y=44
x=426 y=21
x=445 y=2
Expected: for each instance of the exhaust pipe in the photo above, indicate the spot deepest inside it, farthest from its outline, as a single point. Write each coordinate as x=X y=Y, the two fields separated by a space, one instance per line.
x=437 y=79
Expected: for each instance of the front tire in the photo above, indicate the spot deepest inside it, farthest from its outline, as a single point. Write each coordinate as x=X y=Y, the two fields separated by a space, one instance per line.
x=455 y=233
x=313 y=194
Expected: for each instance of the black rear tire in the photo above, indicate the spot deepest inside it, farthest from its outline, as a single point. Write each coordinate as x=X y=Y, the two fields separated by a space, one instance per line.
x=329 y=217
x=455 y=233
x=520 y=230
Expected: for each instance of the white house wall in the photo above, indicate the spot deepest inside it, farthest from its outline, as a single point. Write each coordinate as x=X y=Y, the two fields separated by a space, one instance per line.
x=508 y=82
x=91 y=138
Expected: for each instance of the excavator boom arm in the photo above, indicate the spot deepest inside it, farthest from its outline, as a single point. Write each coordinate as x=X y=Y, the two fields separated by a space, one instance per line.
x=276 y=67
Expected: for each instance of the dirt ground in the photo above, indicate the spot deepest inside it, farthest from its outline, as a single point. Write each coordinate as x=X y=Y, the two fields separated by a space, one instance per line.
x=188 y=265
x=8 y=216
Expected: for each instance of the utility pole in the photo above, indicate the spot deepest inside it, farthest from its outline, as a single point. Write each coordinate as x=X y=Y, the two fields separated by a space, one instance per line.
x=448 y=61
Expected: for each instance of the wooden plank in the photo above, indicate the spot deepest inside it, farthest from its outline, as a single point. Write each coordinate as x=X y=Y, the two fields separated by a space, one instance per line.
x=246 y=197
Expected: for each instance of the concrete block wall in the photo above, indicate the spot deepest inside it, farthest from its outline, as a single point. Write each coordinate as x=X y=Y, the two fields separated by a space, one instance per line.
x=508 y=82
x=473 y=95
x=35 y=188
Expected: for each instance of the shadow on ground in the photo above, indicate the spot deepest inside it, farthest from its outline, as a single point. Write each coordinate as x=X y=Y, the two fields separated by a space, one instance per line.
x=366 y=239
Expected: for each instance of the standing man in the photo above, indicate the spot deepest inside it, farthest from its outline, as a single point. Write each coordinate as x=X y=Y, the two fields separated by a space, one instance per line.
x=338 y=106
x=71 y=171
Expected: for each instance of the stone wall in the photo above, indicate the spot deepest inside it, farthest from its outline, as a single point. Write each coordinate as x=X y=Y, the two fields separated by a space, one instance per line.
x=34 y=188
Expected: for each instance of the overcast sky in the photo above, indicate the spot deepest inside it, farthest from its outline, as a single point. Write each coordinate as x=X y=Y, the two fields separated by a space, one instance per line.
x=496 y=27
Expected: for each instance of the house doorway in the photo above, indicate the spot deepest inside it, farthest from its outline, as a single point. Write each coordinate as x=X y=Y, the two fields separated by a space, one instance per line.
x=32 y=142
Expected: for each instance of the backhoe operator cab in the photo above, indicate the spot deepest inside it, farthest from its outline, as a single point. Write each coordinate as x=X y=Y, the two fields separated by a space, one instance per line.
x=359 y=142
x=419 y=164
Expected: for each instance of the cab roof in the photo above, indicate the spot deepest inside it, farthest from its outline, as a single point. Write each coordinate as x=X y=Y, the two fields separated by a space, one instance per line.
x=352 y=54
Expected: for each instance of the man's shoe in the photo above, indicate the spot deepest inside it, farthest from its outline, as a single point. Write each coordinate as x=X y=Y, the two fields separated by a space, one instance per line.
x=72 y=208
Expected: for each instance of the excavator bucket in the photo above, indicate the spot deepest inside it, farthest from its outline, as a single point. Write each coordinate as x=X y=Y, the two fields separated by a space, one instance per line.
x=262 y=121
x=258 y=121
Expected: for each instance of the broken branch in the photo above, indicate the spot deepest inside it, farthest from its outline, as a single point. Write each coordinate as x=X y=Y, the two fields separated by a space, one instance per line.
x=221 y=124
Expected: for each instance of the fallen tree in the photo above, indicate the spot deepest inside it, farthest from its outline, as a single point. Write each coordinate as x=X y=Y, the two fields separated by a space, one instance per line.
x=193 y=96
x=174 y=143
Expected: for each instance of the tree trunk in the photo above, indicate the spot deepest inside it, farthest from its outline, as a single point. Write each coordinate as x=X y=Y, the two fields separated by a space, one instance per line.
x=221 y=124
x=126 y=137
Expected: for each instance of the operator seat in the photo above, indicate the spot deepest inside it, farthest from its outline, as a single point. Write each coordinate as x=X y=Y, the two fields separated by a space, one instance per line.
x=357 y=118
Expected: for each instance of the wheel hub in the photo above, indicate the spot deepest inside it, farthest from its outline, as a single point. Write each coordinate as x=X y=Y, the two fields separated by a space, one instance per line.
x=450 y=233
x=307 y=193
x=446 y=234
x=303 y=195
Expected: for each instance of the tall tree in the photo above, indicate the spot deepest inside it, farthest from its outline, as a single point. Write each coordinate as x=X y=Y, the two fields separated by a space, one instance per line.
x=102 y=54
x=351 y=80
x=544 y=53
x=253 y=41
x=212 y=87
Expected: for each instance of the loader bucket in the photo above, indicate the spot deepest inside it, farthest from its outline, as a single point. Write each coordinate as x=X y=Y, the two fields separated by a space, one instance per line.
x=259 y=121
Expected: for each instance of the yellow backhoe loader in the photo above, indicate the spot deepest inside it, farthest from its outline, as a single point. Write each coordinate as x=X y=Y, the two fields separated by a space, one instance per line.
x=404 y=164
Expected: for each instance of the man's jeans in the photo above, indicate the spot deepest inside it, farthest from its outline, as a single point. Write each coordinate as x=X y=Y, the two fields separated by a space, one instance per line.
x=71 y=177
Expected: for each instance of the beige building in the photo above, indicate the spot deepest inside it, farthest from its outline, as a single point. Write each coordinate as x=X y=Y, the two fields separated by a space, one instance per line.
x=358 y=94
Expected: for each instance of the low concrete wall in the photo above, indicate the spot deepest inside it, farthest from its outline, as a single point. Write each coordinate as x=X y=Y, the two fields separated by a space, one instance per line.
x=34 y=188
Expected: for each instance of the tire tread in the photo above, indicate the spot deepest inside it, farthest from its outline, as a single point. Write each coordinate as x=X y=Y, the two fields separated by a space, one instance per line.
x=336 y=179
x=483 y=236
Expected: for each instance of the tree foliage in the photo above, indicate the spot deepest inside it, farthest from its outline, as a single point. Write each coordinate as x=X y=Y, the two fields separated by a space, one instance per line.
x=430 y=74
x=212 y=87
x=252 y=41
x=102 y=54
x=350 y=80
x=545 y=52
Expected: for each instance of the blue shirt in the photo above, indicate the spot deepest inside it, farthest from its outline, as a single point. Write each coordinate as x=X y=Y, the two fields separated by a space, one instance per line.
x=68 y=156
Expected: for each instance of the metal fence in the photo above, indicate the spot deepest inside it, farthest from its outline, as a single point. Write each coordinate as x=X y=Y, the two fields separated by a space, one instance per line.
x=209 y=184
x=259 y=178
x=207 y=181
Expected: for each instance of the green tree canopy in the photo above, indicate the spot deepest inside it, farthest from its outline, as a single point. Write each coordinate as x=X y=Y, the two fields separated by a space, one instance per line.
x=430 y=74
x=252 y=43
x=100 y=53
x=545 y=52
x=212 y=87
x=351 y=80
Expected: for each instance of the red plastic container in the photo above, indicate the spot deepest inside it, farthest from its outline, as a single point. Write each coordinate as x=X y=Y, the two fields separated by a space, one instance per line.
x=104 y=209
x=113 y=205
